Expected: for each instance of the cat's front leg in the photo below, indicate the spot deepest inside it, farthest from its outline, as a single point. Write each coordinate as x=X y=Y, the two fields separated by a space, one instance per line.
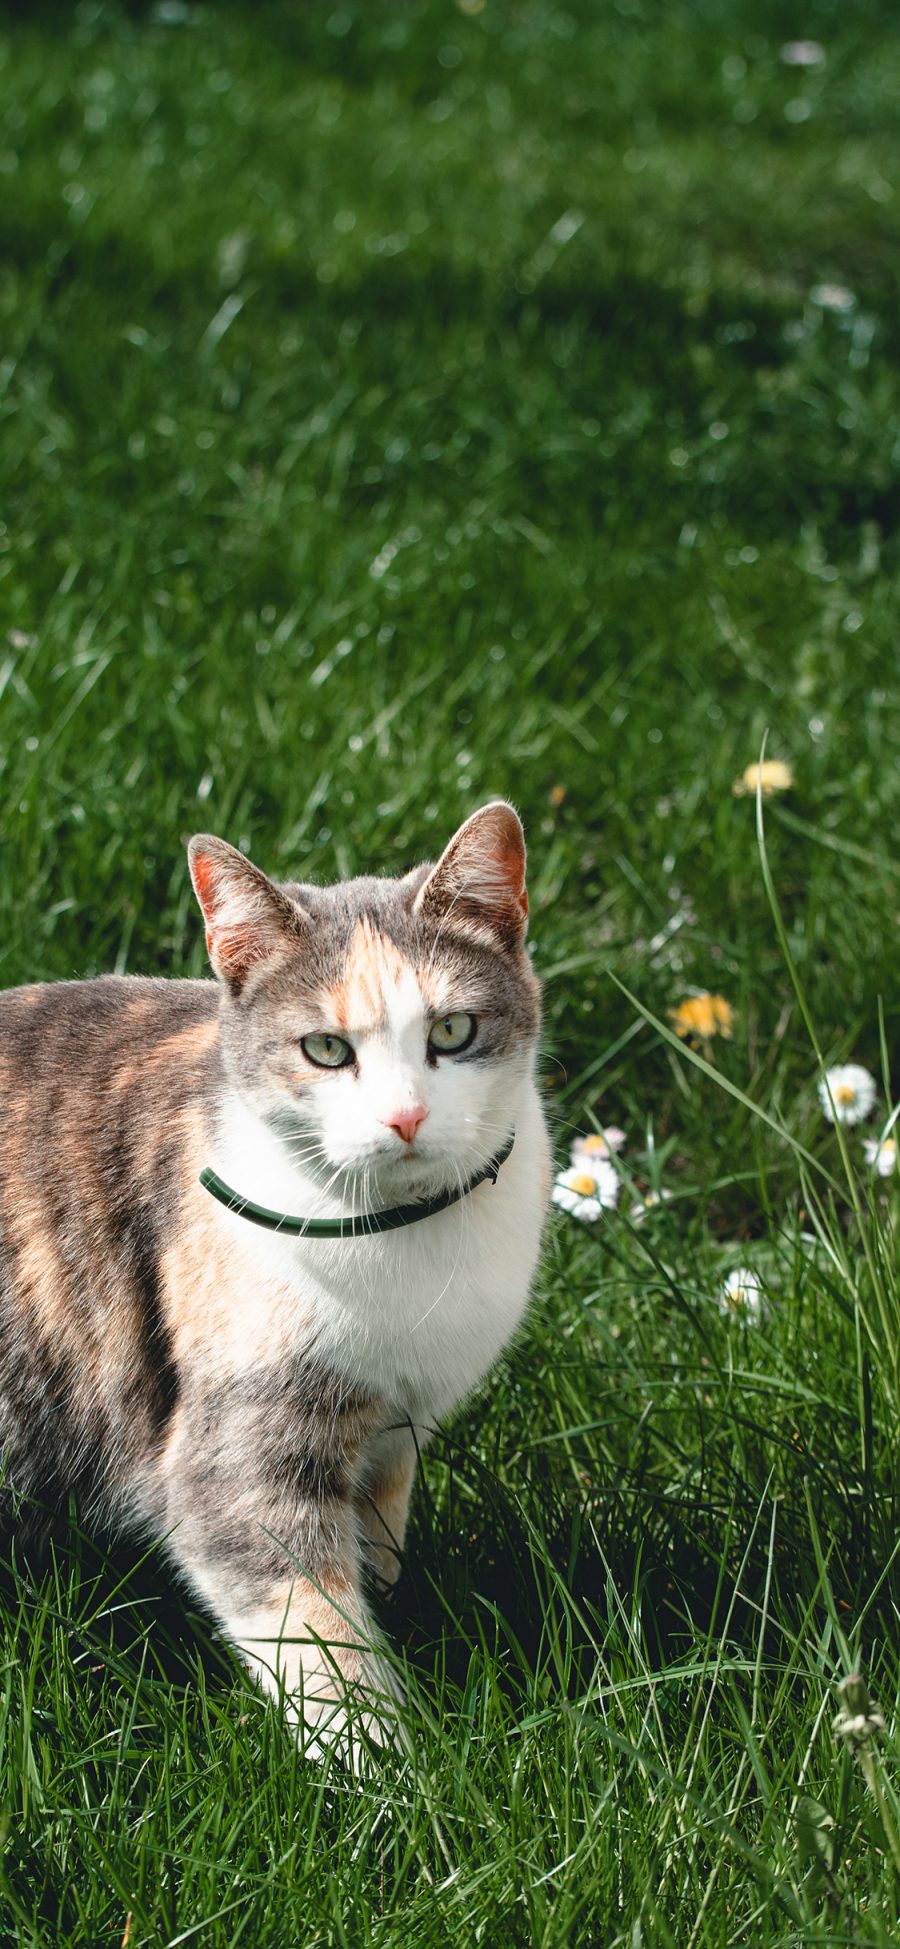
x=382 y=1501
x=260 y=1515
x=310 y=1636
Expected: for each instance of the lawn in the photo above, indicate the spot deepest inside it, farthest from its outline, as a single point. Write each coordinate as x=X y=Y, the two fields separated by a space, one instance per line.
x=404 y=405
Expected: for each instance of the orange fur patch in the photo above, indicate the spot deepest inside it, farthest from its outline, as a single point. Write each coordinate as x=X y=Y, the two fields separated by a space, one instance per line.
x=293 y=1616
x=384 y=1502
x=194 y=1265
x=358 y=1001
x=42 y=1272
x=193 y=1042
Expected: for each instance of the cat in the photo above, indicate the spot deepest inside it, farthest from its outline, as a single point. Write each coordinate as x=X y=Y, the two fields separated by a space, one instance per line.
x=254 y=1400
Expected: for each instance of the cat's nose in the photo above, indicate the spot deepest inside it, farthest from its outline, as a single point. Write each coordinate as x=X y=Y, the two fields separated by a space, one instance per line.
x=406 y=1122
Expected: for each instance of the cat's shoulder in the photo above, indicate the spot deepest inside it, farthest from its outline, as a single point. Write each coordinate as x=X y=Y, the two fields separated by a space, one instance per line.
x=50 y=1018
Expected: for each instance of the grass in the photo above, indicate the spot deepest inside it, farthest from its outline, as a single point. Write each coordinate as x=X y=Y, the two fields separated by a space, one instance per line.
x=401 y=406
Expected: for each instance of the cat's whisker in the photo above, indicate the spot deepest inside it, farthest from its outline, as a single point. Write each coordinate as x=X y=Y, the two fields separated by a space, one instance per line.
x=303 y=1140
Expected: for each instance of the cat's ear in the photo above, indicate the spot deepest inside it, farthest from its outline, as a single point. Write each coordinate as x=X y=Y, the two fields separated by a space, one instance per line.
x=249 y=920
x=479 y=879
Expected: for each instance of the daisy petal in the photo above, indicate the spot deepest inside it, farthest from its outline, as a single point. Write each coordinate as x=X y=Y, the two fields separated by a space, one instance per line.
x=585 y=1193
x=882 y=1156
x=847 y=1093
x=598 y=1143
x=742 y=1297
x=650 y=1202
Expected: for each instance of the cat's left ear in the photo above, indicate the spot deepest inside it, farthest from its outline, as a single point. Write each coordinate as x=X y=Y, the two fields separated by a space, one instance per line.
x=479 y=879
x=249 y=920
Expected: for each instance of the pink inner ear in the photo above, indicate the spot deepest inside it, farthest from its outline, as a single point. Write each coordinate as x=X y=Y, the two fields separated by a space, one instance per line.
x=204 y=883
x=229 y=946
x=494 y=875
x=483 y=868
x=243 y=921
x=492 y=859
x=234 y=949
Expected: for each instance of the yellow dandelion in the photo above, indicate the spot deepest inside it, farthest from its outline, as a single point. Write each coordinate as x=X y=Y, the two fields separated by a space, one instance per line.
x=557 y=795
x=700 y=1017
x=773 y=776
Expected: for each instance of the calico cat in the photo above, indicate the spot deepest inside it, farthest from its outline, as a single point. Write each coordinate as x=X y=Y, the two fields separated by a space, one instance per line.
x=256 y=1400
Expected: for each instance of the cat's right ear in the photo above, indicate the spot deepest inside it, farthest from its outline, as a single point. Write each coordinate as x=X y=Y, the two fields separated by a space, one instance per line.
x=480 y=876
x=249 y=920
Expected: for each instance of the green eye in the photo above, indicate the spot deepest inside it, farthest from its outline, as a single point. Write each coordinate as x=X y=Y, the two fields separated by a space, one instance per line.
x=452 y=1033
x=327 y=1051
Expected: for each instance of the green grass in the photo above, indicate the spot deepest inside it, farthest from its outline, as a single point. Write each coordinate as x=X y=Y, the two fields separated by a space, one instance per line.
x=402 y=405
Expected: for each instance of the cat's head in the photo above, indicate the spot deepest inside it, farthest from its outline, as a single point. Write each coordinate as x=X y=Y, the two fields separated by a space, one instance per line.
x=385 y=1027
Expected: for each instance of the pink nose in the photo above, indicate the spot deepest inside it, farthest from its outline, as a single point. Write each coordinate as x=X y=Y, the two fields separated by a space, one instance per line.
x=406 y=1122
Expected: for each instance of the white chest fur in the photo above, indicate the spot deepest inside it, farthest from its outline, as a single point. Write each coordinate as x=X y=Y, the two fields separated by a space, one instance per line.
x=418 y=1314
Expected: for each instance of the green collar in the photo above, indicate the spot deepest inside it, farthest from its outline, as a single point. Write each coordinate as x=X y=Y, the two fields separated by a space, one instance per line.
x=365 y=1223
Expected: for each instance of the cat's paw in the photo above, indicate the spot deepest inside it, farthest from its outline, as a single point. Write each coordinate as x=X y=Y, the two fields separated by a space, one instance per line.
x=353 y=1741
x=353 y=1724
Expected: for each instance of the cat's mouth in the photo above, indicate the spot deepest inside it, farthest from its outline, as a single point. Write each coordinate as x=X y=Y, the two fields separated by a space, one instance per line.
x=376 y=1175
x=410 y=1171
x=423 y=1173
x=413 y=1173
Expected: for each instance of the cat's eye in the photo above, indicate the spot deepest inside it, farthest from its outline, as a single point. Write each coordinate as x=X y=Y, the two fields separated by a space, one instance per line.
x=451 y=1033
x=327 y=1051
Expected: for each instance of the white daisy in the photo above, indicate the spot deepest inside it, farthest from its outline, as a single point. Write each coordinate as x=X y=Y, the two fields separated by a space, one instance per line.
x=742 y=1297
x=650 y=1202
x=883 y=1156
x=587 y=1193
x=847 y=1093
x=600 y=1143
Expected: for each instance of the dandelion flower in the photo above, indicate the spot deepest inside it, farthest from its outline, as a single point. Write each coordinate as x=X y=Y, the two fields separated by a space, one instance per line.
x=847 y=1093
x=773 y=776
x=742 y=1297
x=599 y=1143
x=587 y=1193
x=701 y=1017
x=882 y=1156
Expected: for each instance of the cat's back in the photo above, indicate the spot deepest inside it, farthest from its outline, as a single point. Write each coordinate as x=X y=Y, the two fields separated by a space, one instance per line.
x=54 y=1028
x=103 y=1084
x=82 y=1059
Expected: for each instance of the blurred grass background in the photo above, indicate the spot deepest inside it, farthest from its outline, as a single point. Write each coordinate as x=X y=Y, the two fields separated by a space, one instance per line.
x=403 y=405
